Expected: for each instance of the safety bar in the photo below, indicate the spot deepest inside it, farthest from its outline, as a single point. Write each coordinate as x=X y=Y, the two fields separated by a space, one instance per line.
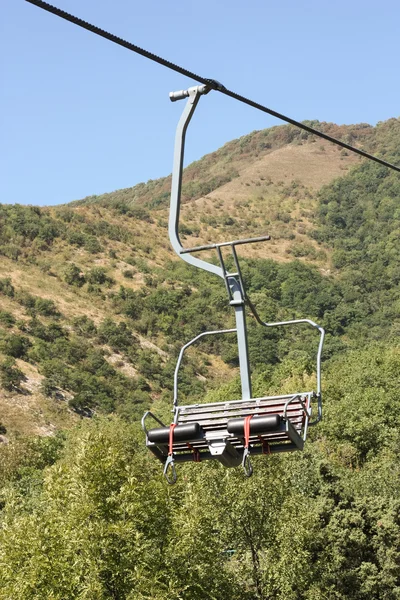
x=181 y=353
x=150 y=414
x=263 y=238
x=300 y=401
x=319 y=352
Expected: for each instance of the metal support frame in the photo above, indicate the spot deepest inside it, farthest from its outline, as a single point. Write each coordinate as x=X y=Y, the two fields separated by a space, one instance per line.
x=218 y=441
x=234 y=286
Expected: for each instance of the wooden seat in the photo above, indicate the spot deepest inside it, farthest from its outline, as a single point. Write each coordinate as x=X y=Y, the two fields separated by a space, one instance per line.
x=218 y=434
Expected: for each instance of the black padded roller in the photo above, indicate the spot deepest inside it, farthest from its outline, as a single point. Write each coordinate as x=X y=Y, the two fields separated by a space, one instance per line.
x=182 y=433
x=257 y=424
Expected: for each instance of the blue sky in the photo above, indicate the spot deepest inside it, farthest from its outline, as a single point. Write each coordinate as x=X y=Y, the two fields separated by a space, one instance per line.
x=82 y=116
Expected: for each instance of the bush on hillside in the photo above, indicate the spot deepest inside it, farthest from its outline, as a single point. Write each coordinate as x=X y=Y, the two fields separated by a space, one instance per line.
x=10 y=376
x=74 y=276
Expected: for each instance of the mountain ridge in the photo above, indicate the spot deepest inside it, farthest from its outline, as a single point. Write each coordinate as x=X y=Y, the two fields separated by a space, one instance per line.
x=76 y=267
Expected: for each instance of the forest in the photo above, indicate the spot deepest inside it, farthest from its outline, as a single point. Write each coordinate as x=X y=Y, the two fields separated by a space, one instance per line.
x=93 y=311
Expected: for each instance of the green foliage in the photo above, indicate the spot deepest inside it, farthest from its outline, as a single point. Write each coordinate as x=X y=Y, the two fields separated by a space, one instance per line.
x=6 y=287
x=6 y=318
x=84 y=326
x=10 y=376
x=36 y=305
x=139 y=212
x=48 y=333
x=365 y=384
x=74 y=276
x=307 y=525
x=107 y=541
x=93 y=245
x=92 y=518
x=98 y=275
x=82 y=239
x=117 y=335
x=46 y=307
x=359 y=218
x=128 y=274
x=21 y=226
x=10 y=251
x=15 y=345
x=76 y=238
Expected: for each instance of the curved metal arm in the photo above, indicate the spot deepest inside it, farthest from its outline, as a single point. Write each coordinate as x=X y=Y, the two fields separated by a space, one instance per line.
x=194 y=94
x=319 y=352
x=150 y=414
x=181 y=353
x=296 y=397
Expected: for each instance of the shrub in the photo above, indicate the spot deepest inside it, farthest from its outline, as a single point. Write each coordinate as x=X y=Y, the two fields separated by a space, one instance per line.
x=15 y=345
x=25 y=299
x=51 y=333
x=74 y=276
x=92 y=244
x=6 y=287
x=6 y=318
x=10 y=376
x=138 y=212
x=98 y=276
x=117 y=335
x=46 y=307
x=65 y=214
x=84 y=326
x=76 y=238
x=11 y=251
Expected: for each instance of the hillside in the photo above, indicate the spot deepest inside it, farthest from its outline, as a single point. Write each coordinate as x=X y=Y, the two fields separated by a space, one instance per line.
x=94 y=308
x=108 y=280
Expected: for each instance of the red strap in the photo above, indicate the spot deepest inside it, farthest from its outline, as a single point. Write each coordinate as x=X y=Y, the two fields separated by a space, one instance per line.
x=171 y=439
x=246 y=428
x=196 y=452
x=307 y=405
x=266 y=449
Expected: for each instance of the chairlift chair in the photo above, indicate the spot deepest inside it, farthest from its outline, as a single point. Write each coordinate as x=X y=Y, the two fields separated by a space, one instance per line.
x=227 y=431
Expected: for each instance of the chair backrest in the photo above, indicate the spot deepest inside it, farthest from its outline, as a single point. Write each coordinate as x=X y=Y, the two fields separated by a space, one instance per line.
x=215 y=416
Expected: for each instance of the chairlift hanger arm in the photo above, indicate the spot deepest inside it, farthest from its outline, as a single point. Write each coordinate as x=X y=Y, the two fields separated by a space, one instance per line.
x=193 y=96
x=210 y=83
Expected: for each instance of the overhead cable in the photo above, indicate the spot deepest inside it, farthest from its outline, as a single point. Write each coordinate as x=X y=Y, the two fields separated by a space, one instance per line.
x=212 y=83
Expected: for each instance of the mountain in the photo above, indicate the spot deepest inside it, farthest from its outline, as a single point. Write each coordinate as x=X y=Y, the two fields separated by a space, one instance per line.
x=93 y=287
x=94 y=308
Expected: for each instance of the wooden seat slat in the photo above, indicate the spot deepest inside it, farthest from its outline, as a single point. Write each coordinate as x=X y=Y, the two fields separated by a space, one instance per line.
x=244 y=405
x=207 y=423
x=210 y=419
x=240 y=411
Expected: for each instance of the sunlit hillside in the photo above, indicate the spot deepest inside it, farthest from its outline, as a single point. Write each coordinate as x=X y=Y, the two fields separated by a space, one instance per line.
x=94 y=308
x=91 y=292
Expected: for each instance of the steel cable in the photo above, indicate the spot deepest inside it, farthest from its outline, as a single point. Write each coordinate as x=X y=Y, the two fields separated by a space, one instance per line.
x=212 y=83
